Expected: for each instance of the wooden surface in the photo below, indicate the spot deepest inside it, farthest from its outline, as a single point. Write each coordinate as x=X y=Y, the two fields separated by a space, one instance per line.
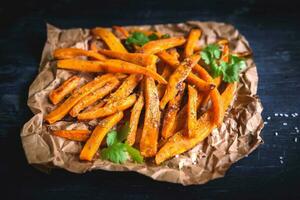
x=273 y=30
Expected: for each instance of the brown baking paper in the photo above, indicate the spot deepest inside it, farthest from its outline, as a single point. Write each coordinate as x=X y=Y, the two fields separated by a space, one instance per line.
x=238 y=136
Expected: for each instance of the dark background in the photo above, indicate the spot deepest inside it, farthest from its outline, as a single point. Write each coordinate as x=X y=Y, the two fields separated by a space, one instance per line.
x=273 y=30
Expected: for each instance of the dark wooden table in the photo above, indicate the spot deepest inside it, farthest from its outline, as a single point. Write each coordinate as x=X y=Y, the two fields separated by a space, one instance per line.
x=273 y=30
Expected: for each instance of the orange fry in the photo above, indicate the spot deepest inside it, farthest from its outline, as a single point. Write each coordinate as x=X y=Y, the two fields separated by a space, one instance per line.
x=109 y=38
x=156 y=46
x=111 y=65
x=66 y=88
x=192 y=78
x=170 y=114
x=76 y=135
x=193 y=37
x=162 y=87
x=122 y=31
x=192 y=111
x=93 y=143
x=68 y=53
x=178 y=76
x=108 y=109
x=134 y=119
x=66 y=106
x=150 y=133
x=136 y=58
x=94 y=96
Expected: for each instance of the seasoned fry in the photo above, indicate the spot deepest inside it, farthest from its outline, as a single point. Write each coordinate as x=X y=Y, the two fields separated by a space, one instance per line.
x=110 y=39
x=149 y=138
x=170 y=114
x=134 y=119
x=96 y=107
x=94 y=96
x=111 y=65
x=193 y=37
x=66 y=106
x=192 y=78
x=174 y=53
x=136 y=58
x=93 y=143
x=162 y=87
x=156 y=46
x=178 y=76
x=206 y=96
x=122 y=31
x=66 y=88
x=68 y=53
x=179 y=143
x=76 y=135
x=192 y=111
x=108 y=109
x=93 y=46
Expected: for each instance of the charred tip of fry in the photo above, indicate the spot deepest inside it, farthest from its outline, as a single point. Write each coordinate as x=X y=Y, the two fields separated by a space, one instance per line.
x=212 y=86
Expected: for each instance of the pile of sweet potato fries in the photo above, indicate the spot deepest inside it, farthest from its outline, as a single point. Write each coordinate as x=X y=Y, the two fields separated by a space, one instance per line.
x=174 y=102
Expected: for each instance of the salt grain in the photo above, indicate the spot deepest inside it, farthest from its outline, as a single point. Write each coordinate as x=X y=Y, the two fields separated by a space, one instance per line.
x=296 y=127
x=286 y=115
x=276 y=133
x=284 y=124
x=265 y=122
x=297 y=131
x=276 y=114
x=281 y=161
x=296 y=139
x=281 y=114
x=280 y=157
x=269 y=118
x=293 y=115
x=296 y=114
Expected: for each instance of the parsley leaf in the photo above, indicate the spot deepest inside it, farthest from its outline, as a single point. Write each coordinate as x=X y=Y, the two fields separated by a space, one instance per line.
x=153 y=36
x=118 y=152
x=137 y=38
x=115 y=153
x=229 y=70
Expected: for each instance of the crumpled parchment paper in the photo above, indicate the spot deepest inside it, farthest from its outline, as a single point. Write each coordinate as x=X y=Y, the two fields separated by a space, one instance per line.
x=238 y=136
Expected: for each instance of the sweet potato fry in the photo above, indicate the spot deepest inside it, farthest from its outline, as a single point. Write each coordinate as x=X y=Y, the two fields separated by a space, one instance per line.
x=149 y=138
x=192 y=78
x=178 y=76
x=162 y=87
x=122 y=31
x=193 y=37
x=76 y=135
x=156 y=46
x=96 y=107
x=192 y=111
x=93 y=143
x=170 y=114
x=94 y=96
x=68 y=53
x=206 y=96
x=110 y=39
x=67 y=105
x=134 y=119
x=174 y=53
x=179 y=143
x=108 y=109
x=111 y=65
x=136 y=58
x=66 y=88
x=93 y=46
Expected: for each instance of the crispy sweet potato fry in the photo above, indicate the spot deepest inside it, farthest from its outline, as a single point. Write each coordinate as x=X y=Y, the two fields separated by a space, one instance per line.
x=134 y=119
x=136 y=58
x=178 y=76
x=193 y=37
x=108 y=109
x=192 y=111
x=170 y=114
x=156 y=46
x=192 y=78
x=110 y=39
x=110 y=65
x=122 y=31
x=76 y=135
x=179 y=143
x=162 y=87
x=94 y=96
x=63 y=90
x=149 y=138
x=68 y=53
x=96 y=107
x=93 y=46
x=66 y=106
x=93 y=143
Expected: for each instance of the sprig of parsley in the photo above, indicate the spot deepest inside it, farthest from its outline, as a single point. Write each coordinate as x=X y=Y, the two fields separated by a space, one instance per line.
x=116 y=150
x=229 y=70
x=139 y=38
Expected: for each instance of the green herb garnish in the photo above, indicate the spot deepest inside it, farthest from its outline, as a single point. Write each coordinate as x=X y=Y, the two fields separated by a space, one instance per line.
x=165 y=36
x=229 y=70
x=117 y=151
